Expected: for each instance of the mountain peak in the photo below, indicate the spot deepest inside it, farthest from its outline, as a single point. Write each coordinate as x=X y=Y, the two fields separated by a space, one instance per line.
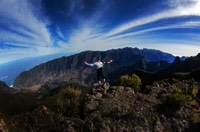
x=177 y=60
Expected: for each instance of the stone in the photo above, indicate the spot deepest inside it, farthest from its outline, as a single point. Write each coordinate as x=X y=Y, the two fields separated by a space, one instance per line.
x=98 y=96
x=2 y=126
x=108 y=95
x=158 y=126
x=88 y=126
x=128 y=89
x=118 y=110
x=91 y=106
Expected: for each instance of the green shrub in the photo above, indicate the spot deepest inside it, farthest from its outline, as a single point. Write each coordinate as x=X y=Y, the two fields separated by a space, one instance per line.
x=148 y=89
x=73 y=96
x=174 y=101
x=131 y=81
x=66 y=101
x=177 y=90
x=181 y=75
x=173 y=80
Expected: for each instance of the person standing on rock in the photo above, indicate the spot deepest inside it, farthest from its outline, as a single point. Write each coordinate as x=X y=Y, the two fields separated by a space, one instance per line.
x=99 y=65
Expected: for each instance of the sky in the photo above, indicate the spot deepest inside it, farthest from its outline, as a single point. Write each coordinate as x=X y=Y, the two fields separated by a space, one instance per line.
x=31 y=28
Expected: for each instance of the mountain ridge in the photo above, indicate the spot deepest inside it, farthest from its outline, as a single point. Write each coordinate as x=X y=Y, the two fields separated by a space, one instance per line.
x=69 y=68
x=10 y=70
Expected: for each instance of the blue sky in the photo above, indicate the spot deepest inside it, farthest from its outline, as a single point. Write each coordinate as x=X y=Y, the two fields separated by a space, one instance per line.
x=39 y=27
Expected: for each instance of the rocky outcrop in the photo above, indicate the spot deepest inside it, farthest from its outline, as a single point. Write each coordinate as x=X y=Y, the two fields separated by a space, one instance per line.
x=42 y=119
x=2 y=125
x=110 y=108
x=123 y=110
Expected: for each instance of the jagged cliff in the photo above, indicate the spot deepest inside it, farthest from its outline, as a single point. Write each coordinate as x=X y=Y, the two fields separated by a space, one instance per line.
x=72 y=67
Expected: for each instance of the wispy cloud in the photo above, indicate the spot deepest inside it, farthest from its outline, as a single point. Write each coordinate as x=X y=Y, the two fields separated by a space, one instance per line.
x=91 y=37
x=191 y=24
x=180 y=10
x=19 y=19
x=74 y=26
x=22 y=24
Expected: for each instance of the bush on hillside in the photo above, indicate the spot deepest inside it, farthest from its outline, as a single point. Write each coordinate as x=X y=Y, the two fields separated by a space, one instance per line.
x=173 y=81
x=181 y=75
x=148 y=89
x=73 y=96
x=66 y=101
x=130 y=81
x=175 y=100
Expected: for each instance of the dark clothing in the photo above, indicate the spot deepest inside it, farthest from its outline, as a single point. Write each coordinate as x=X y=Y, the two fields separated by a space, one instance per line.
x=100 y=74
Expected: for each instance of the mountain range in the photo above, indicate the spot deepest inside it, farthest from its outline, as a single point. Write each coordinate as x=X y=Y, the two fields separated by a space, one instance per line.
x=53 y=96
x=72 y=68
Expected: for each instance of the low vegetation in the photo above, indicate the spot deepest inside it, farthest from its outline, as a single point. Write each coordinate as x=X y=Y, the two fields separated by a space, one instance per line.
x=181 y=75
x=15 y=104
x=66 y=101
x=130 y=81
x=175 y=100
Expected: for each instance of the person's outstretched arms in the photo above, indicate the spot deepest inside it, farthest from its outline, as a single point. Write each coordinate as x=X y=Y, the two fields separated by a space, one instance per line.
x=110 y=61
x=88 y=64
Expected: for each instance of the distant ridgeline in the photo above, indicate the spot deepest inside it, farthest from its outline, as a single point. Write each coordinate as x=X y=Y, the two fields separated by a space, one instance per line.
x=72 y=68
x=10 y=70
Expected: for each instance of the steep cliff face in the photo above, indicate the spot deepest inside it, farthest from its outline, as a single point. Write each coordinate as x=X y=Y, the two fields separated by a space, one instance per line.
x=72 y=68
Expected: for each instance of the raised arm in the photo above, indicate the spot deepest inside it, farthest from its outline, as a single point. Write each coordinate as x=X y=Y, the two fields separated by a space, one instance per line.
x=108 y=62
x=88 y=64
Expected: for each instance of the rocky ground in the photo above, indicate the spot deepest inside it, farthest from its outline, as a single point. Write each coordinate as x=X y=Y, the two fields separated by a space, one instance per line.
x=116 y=109
x=123 y=110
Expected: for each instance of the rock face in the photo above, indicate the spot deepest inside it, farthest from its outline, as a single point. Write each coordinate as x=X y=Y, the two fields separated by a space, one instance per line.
x=42 y=119
x=123 y=110
x=72 y=67
x=2 y=126
x=117 y=109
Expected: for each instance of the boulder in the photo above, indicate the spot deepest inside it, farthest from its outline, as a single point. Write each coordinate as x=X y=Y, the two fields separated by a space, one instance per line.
x=3 y=127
